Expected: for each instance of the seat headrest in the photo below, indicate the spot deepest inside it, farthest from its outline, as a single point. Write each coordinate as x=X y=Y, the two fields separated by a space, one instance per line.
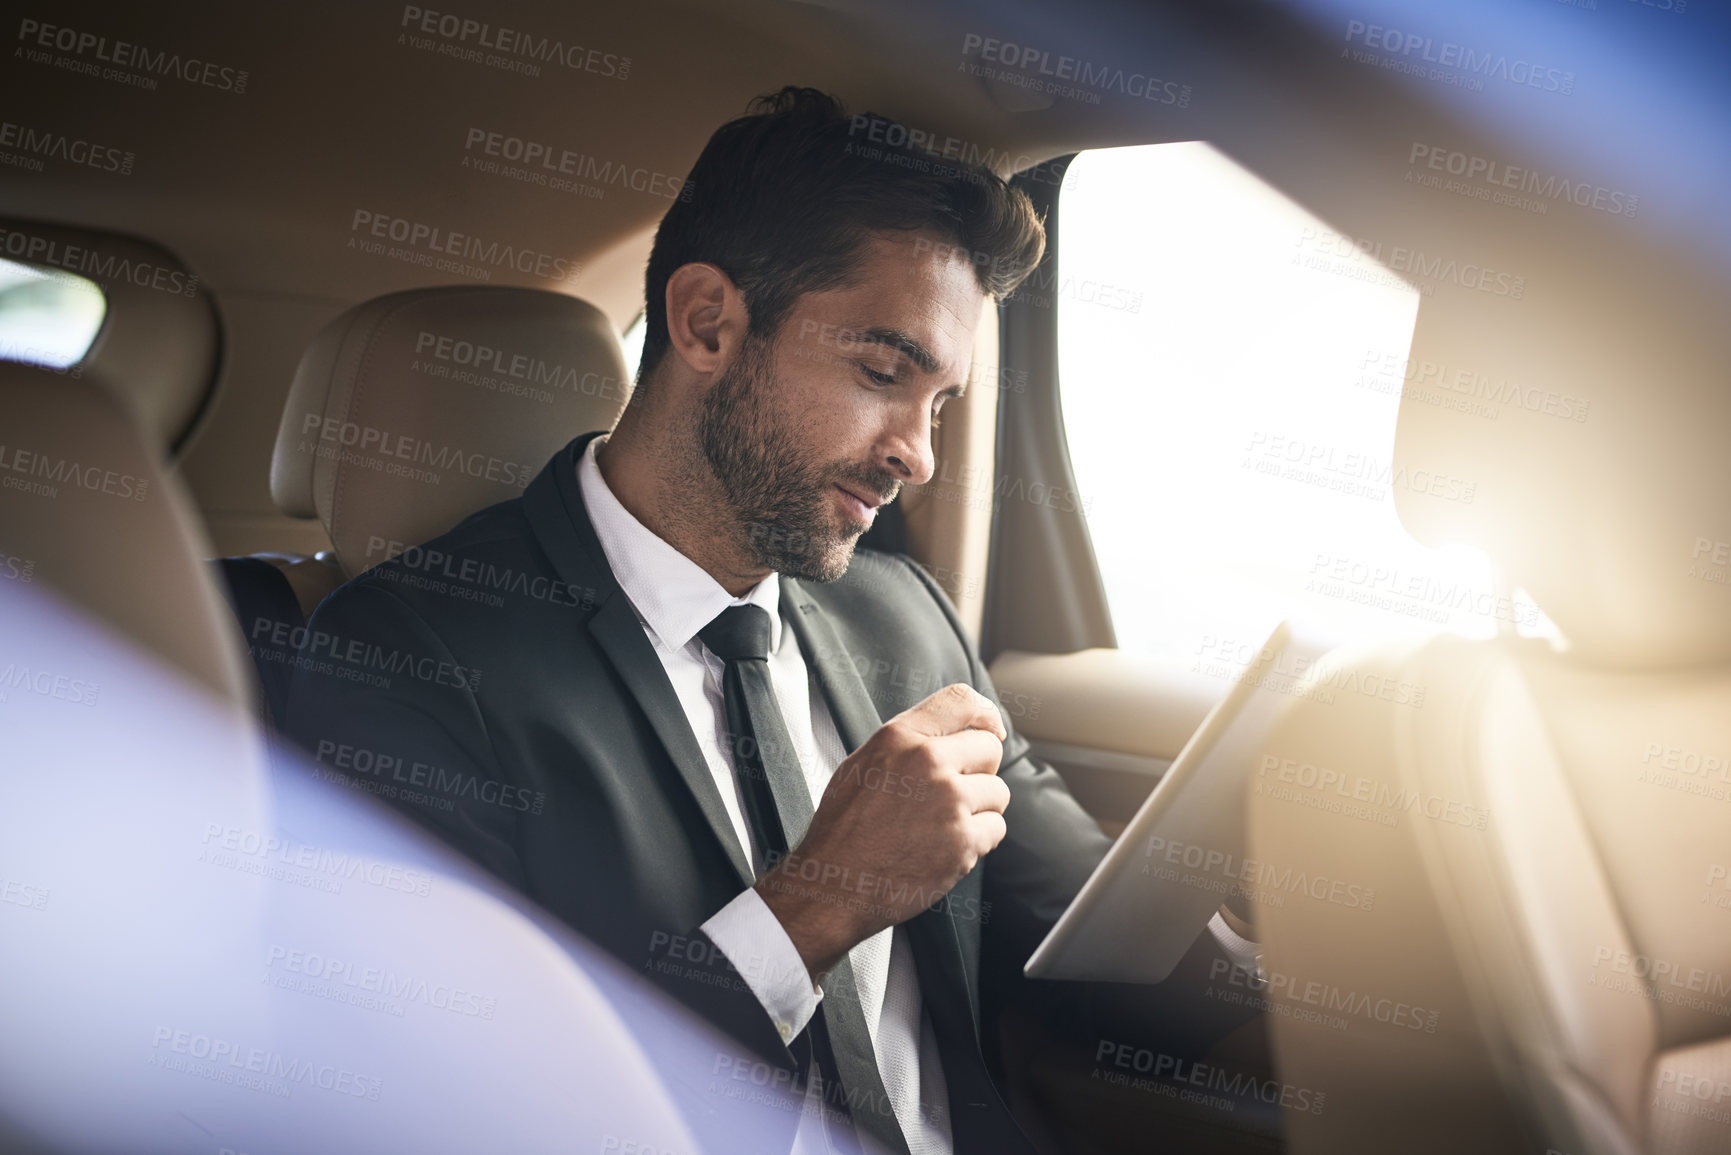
x=158 y=347
x=1592 y=421
x=84 y=509
x=413 y=410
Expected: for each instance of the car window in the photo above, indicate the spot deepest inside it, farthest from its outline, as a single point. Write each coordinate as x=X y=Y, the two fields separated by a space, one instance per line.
x=1231 y=368
x=47 y=316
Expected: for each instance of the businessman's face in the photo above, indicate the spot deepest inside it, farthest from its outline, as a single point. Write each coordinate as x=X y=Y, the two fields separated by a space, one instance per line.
x=811 y=430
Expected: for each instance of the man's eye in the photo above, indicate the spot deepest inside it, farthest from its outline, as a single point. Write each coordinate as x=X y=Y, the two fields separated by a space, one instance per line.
x=880 y=378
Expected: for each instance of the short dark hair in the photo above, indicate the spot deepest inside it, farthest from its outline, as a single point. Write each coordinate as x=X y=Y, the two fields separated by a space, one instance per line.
x=783 y=198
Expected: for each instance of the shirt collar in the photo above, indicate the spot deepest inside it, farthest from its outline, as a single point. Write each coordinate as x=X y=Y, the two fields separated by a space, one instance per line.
x=673 y=595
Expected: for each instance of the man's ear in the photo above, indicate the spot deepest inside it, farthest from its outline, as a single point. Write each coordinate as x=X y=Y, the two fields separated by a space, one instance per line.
x=706 y=317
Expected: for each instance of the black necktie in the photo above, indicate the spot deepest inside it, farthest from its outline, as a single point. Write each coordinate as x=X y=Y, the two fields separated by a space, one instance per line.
x=778 y=809
x=777 y=802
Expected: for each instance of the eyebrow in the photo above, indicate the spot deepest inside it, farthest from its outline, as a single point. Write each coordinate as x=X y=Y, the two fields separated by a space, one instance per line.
x=904 y=342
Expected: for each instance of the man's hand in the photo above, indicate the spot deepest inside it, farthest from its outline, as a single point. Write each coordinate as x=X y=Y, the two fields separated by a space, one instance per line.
x=902 y=820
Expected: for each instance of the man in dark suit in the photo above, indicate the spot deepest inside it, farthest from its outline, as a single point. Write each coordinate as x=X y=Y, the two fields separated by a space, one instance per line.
x=777 y=782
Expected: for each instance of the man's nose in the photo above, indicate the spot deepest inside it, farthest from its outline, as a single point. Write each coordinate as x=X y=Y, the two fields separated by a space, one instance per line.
x=907 y=453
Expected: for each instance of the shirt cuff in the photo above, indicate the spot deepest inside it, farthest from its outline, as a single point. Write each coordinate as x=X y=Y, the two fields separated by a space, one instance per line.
x=757 y=945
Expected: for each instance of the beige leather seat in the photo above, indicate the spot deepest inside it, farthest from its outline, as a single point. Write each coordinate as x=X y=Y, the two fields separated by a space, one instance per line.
x=407 y=414
x=1546 y=965
x=86 y=511
x=159 y=345
x=416 y=409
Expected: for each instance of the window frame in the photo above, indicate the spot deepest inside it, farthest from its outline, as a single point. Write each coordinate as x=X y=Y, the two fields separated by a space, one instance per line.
x=1044 y=592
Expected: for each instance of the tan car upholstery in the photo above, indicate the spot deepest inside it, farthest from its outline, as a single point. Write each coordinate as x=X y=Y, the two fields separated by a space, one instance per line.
x=1547 y=962
x=158 y=346
x=86 y=511
x=411 y=411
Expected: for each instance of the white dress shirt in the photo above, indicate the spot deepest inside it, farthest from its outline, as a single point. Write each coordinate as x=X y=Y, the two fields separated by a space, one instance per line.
x=674 y=598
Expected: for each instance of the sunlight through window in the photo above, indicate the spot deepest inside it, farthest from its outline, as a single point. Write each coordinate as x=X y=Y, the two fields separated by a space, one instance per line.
x=1231 y=370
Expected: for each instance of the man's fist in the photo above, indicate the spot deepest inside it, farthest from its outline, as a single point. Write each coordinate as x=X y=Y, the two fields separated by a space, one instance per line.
x=902 y=820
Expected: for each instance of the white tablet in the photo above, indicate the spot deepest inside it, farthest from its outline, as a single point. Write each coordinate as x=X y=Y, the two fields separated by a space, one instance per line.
x=1183 y=853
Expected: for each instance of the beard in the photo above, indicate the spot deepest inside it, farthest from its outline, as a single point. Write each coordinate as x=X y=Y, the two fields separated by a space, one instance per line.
x=779 y=490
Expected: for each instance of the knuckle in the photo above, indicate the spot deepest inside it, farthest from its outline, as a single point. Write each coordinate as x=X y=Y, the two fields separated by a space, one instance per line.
x=923 y=758
x=950 y=790
x=895 y=733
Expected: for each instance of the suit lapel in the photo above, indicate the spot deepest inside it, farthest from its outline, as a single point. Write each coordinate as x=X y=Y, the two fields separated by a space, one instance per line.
x=553 y=504
x=933 y=934
x=616 y=628
x=856 y=717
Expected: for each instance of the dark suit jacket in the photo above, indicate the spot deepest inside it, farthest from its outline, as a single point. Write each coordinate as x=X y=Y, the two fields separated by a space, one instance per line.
x=496 y=684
